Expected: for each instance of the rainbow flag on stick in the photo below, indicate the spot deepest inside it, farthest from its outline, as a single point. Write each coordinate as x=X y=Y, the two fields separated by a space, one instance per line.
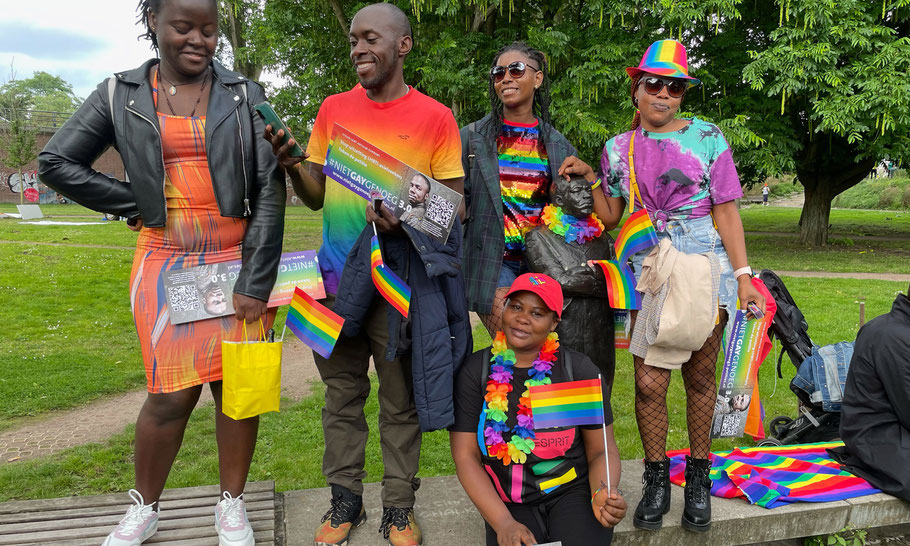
x=567 y=404
x=392 y=288
x=313 y=323
x=637 y=234
x=620 y=284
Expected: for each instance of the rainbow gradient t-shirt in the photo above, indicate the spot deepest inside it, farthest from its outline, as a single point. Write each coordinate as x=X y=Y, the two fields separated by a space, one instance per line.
x=414 y=129
x=524 y=180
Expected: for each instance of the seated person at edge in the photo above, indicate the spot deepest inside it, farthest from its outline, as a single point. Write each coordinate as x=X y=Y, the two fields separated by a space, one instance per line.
x=875 y=414
x=578 y=509
x=509 y=157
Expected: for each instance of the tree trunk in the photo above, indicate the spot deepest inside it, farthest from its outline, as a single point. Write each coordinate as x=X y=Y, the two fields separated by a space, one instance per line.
x=21 y=187
x=815 y=216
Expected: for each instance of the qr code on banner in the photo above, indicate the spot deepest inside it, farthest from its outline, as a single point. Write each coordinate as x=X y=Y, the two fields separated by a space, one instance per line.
x=730 y=426
x=440 y=210
x=183 y=298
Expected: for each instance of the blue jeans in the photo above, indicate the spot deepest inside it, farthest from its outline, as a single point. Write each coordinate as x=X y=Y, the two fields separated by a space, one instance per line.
x=510 y=271
x=698 y=236
x=823 y=374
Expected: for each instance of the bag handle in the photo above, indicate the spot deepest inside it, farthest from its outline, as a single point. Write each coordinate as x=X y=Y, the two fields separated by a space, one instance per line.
x=261 y=331
x=633 y=181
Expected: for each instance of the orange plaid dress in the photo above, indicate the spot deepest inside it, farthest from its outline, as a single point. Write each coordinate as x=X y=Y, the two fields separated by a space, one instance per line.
x=181 y=356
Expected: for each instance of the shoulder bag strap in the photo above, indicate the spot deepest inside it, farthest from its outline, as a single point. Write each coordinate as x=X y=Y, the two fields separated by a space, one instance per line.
x=111 y=85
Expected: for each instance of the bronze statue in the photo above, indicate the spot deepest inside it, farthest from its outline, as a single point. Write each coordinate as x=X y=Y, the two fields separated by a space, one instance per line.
x=569 y=236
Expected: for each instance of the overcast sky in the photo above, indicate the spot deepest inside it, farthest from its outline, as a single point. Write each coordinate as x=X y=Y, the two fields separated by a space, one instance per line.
x=82 y=41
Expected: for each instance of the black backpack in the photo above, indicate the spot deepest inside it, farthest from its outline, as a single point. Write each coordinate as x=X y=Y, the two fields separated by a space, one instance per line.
x=789 y=324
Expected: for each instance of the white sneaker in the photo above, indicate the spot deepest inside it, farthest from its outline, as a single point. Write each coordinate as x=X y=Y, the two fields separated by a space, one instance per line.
x=139 y=523
x=231 y=522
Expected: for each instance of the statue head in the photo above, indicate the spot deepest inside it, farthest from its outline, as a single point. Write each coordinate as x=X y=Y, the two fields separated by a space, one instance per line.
x=573 y=196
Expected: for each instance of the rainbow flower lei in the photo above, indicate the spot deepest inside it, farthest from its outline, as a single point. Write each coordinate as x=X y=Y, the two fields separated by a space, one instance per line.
x=499 y=385
x=573 y=229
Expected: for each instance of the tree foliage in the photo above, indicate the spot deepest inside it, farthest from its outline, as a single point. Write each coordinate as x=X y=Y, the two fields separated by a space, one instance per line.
x=18 y=141
x=42 y=91
x=813 y=86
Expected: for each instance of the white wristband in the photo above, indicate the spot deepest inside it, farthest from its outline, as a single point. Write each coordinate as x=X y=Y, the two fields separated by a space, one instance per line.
x=742 y=271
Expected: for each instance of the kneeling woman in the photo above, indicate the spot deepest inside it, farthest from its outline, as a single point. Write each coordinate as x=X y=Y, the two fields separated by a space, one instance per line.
x=532 y=487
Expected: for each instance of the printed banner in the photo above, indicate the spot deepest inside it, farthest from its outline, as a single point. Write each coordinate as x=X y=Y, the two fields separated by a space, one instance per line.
x=736 y=388
x=206 y=291
x=413 y=197
x=622 y=334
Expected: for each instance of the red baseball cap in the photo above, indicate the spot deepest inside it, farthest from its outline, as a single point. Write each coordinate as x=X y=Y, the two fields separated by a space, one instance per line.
x=544 y=286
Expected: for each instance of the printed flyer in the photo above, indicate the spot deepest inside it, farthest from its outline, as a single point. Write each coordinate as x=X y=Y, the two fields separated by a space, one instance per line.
x=413 y=197
x=736 y=388
x=206 y=291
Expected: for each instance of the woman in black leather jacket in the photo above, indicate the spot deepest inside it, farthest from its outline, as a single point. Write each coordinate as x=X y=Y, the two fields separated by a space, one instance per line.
x=203 y=188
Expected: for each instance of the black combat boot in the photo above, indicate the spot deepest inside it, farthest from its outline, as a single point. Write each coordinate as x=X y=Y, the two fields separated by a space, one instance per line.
x=655 y=499
x=697 y=513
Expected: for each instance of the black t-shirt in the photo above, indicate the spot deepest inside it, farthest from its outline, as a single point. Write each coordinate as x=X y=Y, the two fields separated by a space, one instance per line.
x=558 y=458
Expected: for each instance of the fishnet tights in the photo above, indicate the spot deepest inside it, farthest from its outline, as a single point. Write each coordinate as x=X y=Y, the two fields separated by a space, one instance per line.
x=651 y=386
x=493 y=321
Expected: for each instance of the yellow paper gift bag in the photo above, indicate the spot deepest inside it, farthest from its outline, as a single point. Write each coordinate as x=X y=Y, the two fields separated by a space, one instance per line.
x=251 y=371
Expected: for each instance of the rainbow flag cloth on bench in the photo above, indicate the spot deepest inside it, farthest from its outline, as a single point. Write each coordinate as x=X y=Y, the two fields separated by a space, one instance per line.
x=777 y=476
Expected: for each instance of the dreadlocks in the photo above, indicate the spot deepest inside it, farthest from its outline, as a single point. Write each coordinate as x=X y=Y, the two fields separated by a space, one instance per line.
x=636 y=120
x=541 y=107
x=144 y=8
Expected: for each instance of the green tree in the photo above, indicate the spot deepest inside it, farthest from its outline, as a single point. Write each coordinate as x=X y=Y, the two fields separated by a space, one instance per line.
x=18 y=142
x=44 y=92
x=839 y=72
x=840 y=67
x=243 y=27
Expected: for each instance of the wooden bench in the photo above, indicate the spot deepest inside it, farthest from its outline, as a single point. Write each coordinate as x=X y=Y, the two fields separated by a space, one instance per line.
x=187 y=517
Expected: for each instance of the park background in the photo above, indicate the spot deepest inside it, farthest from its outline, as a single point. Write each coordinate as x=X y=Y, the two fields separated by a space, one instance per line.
x=811 y=95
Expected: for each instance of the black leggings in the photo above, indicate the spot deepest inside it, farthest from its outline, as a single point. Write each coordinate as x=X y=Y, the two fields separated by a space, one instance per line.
x=567 y=517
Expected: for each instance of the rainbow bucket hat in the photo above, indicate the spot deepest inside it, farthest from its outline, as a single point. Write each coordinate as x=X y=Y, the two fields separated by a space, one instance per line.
x=664 y=58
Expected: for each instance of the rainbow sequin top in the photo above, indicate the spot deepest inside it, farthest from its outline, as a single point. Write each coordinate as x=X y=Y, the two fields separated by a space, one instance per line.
x=524 y=179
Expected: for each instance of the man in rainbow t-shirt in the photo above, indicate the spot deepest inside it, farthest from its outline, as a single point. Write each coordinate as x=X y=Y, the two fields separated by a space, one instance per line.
x=420 y=131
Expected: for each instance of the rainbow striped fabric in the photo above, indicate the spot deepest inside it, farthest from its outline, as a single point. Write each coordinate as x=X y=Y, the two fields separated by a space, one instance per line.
x=524 y=180
x=777 y=476
x=567 y=404
x=637 y=234
x=390 y=285
x=621 y=291
x=313 y=323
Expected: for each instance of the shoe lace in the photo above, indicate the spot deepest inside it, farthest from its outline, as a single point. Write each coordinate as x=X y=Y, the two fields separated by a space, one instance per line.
x=394 y=516
x=650 y=488
x=341 y=510
x=136 y=514
x=231 y=510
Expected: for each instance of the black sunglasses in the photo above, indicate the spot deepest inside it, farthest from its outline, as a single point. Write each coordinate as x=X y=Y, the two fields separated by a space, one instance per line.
x=675 y=88
x=516 y=70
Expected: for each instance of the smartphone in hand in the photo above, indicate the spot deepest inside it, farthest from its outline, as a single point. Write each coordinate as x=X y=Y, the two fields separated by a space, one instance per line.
x=269 y=116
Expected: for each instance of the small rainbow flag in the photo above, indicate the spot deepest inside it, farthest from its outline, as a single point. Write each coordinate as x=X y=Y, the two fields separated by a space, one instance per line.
x=313 y=323
x=620 y=284
x=637 y=234
x=392 y=288
x=567 y=404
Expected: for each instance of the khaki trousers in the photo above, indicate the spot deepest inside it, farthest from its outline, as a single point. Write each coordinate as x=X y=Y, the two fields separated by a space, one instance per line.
x=344 y=424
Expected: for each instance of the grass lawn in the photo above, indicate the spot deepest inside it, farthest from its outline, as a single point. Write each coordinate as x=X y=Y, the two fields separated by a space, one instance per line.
x=844 y=222
x=290 y=446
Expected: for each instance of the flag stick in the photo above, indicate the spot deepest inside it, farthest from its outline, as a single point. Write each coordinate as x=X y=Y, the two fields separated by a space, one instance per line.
x=284 y=331
x=606 y=448
x=374 y=229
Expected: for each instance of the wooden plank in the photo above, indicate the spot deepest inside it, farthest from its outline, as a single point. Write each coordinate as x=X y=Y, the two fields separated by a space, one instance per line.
x=111 y=520
x=188 y=517
x=122 y=499
x=120 y=509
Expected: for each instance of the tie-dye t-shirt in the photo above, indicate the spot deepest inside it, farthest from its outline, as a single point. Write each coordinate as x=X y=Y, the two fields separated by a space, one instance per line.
x=681 y=174
x=524 y=179
x=414 y=129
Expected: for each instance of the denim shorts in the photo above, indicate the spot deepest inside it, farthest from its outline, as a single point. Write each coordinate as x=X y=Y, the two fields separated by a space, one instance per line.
x=698 y=236
x=510 y=271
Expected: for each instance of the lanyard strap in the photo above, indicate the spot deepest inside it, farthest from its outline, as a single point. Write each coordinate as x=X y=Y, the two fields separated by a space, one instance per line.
x=633 y=182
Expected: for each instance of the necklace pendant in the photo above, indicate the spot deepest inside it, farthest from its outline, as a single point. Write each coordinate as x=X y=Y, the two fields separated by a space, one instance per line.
x=172 y=90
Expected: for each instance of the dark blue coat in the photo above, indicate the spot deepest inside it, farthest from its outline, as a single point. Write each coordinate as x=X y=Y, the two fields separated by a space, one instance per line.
x=437 y=332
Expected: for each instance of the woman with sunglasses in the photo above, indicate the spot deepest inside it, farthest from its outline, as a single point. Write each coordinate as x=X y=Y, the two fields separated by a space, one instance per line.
x=684 y=176
x=509 y=157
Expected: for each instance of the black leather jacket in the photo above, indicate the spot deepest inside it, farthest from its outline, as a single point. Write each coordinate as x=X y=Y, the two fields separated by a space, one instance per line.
x=245 y=174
